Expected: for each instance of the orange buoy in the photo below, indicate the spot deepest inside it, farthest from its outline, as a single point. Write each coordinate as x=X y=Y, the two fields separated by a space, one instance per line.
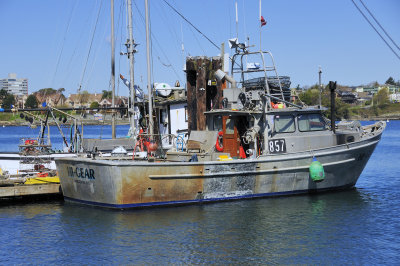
x=218 y=145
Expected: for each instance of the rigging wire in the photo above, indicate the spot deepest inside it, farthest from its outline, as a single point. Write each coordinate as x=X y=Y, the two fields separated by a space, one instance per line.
x=90 y=48
x=157 y=43
x=63 y=42
x=383 y=39
x=197 y=40
x=377 y=22
x=176 y=11
x=77 y=44
x=167 y=21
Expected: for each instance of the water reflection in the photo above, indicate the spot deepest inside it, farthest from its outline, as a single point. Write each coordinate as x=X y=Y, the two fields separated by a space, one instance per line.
x=359 y=226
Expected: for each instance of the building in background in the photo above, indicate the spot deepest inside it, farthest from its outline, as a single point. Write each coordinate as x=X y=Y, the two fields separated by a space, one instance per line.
x=14 y=86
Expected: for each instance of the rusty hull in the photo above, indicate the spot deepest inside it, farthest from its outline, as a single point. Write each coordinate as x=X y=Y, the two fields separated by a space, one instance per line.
x=125 y=184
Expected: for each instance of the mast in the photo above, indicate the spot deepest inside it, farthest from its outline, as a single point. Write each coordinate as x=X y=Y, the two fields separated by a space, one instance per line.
x=112 y=70
x=149 y=89
x=131 y=50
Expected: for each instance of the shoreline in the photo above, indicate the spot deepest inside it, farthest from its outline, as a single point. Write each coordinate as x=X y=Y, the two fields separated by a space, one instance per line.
x=126 y=122
x=85 y=122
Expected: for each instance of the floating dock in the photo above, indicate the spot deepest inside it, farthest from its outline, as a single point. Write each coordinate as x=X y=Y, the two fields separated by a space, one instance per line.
x=30 y=190
x=15 y=188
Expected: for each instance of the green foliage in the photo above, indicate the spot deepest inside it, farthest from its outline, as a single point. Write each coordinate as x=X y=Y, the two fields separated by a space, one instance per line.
x=106 y=94
x=382 y=98
x=342 y=109
x=390 y=81
x=31 y=102
x=3 y=94
x=8 y=101
x=94 y=105
x=83 y=97
x=310 y=96
x=46 y=91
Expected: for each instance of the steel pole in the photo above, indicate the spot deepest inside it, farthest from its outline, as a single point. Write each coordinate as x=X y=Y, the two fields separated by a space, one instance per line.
x=149 y=89
x=113 y=135
x=131 y=68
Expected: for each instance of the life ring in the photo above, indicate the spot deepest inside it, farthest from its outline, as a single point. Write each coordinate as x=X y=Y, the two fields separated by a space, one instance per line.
x=218 y=144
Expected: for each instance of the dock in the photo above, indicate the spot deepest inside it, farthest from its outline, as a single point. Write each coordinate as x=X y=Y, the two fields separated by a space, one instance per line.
x=24 y=190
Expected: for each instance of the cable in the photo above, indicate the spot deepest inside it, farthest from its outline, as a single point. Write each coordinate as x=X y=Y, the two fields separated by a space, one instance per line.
x=90 y=48
x=375 y=29
x=176 y=11
x=379 y=24
x=158 y=44
x=62 y=47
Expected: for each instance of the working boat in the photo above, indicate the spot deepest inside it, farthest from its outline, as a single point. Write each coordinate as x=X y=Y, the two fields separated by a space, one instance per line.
x=269 y=147
x=246 y=141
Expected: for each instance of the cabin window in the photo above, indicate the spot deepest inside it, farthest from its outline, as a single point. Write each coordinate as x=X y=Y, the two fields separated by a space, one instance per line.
x=311 y=122
x=230 y=126
x=284 y=124
x=217 y=123
x=163 y=116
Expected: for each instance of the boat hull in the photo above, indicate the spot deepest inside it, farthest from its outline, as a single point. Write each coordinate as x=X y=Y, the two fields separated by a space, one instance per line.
x=129 y=184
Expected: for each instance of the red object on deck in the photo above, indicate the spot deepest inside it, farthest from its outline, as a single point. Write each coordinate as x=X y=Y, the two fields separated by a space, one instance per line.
x=242 y=154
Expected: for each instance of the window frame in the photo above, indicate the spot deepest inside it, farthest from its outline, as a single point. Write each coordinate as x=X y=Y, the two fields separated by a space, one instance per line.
x=294 y=122
x=320 y=115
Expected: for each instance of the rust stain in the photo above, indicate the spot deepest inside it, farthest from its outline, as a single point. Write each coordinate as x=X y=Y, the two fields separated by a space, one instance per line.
x=137 y=187
x=274 y=178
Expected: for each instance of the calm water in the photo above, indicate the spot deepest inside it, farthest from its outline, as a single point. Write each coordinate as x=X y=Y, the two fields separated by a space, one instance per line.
x=10 y=136
x=360 y=226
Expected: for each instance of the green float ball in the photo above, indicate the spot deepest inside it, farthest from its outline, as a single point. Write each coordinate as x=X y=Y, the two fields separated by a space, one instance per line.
x=317 y=173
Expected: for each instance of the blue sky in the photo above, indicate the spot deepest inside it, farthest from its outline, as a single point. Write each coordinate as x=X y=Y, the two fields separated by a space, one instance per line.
x=48 y=41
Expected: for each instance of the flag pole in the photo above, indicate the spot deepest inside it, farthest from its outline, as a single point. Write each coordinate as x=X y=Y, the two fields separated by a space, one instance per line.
x=259 y=21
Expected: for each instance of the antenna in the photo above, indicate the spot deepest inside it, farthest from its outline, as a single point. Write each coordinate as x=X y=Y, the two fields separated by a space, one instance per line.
x=237 y=21
x=183 y=50
x=320 y=86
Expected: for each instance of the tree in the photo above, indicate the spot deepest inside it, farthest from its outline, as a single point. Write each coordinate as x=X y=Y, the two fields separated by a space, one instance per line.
x=106 y=95
x=83 y=97
x=3 y=94
x=8 y=101
x=31 y=102
x=46 y=91
x=310 y=96
x=61 y=95
x=382 y=97
x=94 y=105
x=390 y=81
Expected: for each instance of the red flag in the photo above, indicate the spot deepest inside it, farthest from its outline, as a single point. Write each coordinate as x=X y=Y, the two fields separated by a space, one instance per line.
x=263 y=22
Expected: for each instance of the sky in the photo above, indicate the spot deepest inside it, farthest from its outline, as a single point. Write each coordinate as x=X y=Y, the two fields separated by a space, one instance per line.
x=67 y=43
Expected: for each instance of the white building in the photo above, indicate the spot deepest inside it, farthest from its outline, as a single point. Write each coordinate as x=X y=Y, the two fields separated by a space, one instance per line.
x=14 y=86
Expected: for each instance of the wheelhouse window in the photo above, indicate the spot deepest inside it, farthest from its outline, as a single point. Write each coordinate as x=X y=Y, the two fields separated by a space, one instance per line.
x=230 y=126
x=217 y=123
x=284 y=124
x=311 y=122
